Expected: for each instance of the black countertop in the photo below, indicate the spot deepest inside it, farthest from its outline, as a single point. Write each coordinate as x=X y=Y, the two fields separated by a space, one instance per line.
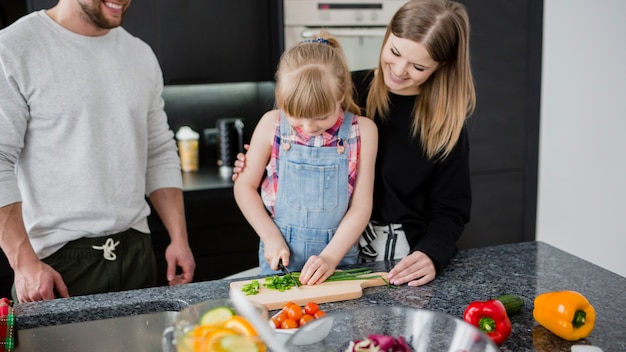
x=206 y=178
x=526 y=269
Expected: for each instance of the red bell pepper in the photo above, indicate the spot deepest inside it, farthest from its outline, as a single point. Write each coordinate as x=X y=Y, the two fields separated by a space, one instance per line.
x=490 y=317
x=5 y=304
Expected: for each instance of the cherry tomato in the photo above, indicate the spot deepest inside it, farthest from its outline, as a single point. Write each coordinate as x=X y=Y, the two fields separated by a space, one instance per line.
x=289 y=324
x=294 y=312
x=311 y=308
x=319 y=314
x=305 y=319
x=287 y=305
x=278 y=318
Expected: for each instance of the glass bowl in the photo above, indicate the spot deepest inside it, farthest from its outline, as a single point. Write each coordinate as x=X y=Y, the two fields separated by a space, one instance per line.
x=175 y=338
x=423 y=330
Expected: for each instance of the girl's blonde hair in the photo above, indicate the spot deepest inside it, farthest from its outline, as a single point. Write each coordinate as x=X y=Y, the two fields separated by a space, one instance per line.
x=448 y=97
x=312 y=77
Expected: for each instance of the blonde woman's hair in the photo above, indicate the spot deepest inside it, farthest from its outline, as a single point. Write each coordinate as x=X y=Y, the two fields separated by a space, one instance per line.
x=312 y=77
x=448 y=97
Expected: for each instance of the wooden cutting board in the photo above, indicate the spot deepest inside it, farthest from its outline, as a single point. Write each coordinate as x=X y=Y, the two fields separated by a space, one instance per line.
x=320 y=293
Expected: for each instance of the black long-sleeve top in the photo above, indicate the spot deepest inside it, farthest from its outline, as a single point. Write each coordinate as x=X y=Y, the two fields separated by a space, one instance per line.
x=431 y=199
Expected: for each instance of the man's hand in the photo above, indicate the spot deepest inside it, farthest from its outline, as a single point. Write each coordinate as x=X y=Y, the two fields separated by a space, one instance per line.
x=39 y=282
x=179 y=256
x=34 y=279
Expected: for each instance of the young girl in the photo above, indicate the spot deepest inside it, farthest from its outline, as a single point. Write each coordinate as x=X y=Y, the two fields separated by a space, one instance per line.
x=316 y=158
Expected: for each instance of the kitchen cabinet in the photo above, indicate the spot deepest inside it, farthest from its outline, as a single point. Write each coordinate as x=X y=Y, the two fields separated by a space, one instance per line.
x=206 y=41
x=10 y=11
x=6 y=277
x=218 y=40
x=506 y=40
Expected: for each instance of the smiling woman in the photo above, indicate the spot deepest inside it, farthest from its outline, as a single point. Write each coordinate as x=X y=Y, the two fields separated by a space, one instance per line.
x=406 y=64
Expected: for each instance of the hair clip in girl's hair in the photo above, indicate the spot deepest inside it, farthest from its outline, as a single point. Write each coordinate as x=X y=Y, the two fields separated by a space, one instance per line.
x=316 y=40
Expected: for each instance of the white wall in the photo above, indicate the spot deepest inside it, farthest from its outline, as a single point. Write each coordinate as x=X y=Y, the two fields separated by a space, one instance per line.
x=582 y=152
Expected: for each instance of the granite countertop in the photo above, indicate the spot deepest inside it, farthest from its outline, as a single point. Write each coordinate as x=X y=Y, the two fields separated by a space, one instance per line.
x=525 y=269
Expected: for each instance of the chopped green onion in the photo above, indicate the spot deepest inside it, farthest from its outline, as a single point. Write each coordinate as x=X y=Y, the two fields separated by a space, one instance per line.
x=252 y=288
x=280 y=283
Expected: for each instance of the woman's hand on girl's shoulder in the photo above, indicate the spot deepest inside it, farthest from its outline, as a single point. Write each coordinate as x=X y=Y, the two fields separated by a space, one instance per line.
x=240 y=163
x=263 y=132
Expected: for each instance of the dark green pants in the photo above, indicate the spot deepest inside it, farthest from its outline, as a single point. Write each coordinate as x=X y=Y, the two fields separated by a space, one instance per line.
x=130 y=265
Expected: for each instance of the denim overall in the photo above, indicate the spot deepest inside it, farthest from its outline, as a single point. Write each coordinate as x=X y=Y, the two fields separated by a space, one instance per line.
x=312 y=196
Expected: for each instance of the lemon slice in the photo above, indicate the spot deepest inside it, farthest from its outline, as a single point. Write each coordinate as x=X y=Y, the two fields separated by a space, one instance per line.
x=240 y=325
x=211 y=341
x=195 y=338
x=217 y=316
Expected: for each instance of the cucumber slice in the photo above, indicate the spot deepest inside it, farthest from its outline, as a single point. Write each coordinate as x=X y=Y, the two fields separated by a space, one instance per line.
x=217 y=316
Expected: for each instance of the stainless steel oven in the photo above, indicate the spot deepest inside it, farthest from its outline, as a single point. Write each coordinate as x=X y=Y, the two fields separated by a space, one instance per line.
x=359 y=25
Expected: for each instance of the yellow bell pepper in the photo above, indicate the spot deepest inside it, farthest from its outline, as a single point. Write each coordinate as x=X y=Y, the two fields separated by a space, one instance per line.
x=567 y=314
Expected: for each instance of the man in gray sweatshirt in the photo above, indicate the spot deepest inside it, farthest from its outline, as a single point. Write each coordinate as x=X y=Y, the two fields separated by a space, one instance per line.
x=83 y=139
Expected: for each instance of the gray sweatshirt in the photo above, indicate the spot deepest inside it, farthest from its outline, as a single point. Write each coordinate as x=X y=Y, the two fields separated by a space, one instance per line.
x=83 y=134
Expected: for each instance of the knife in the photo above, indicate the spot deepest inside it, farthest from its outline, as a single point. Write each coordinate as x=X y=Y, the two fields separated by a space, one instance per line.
x=286 y=271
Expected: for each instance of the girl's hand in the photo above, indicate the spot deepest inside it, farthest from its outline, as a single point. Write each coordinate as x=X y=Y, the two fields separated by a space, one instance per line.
x=274 y=251
x=240 y=163
x=417 y=269
x=316 y=270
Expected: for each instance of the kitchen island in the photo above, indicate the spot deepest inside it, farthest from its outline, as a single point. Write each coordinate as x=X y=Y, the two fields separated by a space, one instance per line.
x=525 y=269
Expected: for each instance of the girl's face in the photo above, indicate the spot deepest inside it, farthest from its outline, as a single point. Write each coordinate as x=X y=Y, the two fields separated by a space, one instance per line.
x=406 y=65
x=315 y=126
